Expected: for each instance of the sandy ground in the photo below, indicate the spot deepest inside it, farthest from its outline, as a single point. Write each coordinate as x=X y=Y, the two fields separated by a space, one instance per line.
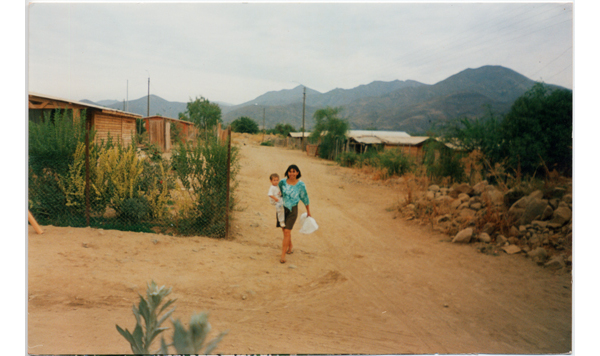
x=367 y=281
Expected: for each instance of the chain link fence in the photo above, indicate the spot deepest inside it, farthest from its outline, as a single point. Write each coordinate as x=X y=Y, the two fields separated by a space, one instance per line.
x=74 y=181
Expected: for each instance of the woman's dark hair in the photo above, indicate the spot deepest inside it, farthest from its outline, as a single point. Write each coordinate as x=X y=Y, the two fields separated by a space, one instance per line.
x=293 y=166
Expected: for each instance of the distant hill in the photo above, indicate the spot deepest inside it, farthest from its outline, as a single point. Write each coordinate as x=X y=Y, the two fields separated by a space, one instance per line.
x=158 y=106
x=404 y=106
x=408 y=106
x=465 y=94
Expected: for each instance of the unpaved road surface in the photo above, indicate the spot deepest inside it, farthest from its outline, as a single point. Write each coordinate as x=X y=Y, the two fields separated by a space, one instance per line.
x=367 y=281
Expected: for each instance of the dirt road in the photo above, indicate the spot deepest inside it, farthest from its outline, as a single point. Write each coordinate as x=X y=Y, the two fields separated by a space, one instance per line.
x=366 y=282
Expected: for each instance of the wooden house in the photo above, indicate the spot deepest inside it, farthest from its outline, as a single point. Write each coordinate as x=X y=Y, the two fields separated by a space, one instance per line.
x=120 y=125
x=160 y=130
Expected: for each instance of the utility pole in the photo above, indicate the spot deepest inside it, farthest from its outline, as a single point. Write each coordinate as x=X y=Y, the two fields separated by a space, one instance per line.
x=148 y=112
x=264 y=126
x=303 y=110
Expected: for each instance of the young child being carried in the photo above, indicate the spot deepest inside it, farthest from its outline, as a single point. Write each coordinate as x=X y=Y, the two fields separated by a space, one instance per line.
x=276 y=199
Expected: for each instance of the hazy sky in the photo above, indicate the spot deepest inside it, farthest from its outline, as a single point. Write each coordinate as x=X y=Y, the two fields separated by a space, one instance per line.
x=233 y=52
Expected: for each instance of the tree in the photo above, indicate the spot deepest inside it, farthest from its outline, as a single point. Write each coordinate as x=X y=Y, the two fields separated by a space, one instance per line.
x=484 y=134
x=330 y=130
x=244 y=124
x=282 y=129
x=538 y=130
x=204 y=114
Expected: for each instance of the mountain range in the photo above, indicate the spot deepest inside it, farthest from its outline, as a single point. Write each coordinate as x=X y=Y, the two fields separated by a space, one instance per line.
x=408 y=106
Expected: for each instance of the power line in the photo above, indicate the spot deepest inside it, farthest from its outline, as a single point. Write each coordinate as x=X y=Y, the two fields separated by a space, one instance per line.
x=552 y=61
x=475 y=36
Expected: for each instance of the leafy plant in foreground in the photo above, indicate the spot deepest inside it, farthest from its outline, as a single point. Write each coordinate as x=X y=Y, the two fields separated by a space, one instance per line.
x=184 y=341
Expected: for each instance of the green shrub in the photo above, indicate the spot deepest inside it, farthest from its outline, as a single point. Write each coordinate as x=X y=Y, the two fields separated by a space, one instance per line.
x=441 y=162
x=202 y=170
x=244 y=124
x=395 y=162
x=134 y=210
x=52 y=143
x=347 y=159
x=149 y=321
x=267 y=143
x=154 y=152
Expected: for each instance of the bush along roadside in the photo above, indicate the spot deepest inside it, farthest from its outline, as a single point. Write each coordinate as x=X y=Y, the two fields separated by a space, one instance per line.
x=536 y=223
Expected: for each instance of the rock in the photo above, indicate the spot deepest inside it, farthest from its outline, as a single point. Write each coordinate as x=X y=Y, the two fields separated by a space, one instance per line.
x=553 y=203
x=561 y=215
x=567 y=198
x=534 y=208
x=513 y=231
x=444 y=199
x=463 y=188
x=444 y=218
x=513 y=240
x=554 y=226
x=475 y=206
x=562 y=204
x=494 y=196
x=513 y=195
x=464 y=197
x=484 y=237
x=511 y=249
x=430 y=195
x=558 y=192
x=465 y=215
x=480 y=187
x=488 y=228
x=538 y=194
x=555 y=263
x=434 y=188
x=540 y=224
x=464 y=205
x=455 y=204
x=538 y=255
x=463 y=236
x=547 y=212
x=501 y=239
x=522 y=229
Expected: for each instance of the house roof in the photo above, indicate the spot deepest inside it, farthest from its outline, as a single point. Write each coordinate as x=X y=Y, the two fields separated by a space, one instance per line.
x=168 y=118
x=406 y=141
x=367 y=140
x=379 y=134
x=298 y=134
x=33 y=96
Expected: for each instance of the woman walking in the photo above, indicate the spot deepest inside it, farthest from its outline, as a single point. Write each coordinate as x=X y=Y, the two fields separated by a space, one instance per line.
x=293 y=191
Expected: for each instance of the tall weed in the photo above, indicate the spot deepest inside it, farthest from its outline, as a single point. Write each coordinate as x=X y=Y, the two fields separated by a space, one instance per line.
x=202 y=170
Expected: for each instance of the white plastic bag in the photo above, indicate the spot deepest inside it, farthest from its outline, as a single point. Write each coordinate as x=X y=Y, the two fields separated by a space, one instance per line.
x=309 y=225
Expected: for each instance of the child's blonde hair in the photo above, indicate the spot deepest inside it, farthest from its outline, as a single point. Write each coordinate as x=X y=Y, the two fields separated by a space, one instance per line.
x=273 y=176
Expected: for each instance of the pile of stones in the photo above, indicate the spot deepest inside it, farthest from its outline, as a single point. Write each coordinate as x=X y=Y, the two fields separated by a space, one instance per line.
x=537 y=224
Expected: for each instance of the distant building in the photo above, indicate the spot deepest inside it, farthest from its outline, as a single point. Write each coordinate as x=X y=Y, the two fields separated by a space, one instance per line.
x=160 y=130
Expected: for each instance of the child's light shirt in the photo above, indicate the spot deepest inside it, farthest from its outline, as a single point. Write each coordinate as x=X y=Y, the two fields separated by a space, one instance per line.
x=292 y=194
x=274 y=192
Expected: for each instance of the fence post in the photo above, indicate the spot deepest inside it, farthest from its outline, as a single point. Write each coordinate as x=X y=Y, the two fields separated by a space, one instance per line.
x=87 y=172
x=228 y=181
